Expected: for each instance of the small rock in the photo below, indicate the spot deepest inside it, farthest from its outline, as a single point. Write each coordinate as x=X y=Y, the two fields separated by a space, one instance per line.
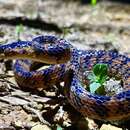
x=109 y=127
x=113 y=87
x=6 y=127
x=41 y=127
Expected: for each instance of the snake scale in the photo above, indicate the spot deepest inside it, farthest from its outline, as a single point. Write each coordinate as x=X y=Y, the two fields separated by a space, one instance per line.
x=62 y=57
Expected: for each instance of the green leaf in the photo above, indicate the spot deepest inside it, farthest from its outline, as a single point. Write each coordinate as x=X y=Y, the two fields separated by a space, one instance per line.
x=100 y=70
x=93 y=2
x=94 y=86
x=100 y=90
x=91 y=77
x=103 y=79
x=59 y=127
x=19 y=28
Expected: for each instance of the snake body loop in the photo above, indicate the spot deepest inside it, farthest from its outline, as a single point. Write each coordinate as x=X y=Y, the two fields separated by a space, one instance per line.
x=63 y=57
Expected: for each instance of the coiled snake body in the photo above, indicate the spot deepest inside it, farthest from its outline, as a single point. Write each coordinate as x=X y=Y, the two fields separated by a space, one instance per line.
x=63 y=56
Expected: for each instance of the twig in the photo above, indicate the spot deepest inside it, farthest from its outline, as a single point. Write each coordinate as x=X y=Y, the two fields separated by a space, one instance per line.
x=37 y=113
x=13 y=100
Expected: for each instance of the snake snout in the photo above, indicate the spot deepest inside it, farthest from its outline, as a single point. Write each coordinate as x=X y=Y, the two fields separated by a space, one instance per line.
x=15 y=50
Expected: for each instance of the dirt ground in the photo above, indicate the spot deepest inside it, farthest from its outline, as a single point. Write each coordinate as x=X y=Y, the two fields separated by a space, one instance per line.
x=103 y=26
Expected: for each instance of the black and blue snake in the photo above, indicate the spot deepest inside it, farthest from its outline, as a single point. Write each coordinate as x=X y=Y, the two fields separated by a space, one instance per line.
x=64 y=57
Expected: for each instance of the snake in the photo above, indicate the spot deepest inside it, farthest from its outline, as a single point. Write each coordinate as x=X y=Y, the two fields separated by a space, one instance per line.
x=69 y=64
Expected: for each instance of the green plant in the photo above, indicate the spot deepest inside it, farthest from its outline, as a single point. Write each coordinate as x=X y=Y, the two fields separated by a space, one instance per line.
x=66 y=31
x=19 y=30
x=93 y=2
x=97 y=78
x=59 y=127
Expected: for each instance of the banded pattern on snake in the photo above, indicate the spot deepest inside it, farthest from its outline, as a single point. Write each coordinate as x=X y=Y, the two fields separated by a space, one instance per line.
x=64 y=57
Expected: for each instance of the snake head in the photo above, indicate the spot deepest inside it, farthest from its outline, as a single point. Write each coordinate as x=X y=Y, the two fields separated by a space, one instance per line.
x=46 y=49
x=15 y=50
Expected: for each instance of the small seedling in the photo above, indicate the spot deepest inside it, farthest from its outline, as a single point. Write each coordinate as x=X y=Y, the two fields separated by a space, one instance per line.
x=19 y=30
x=66 y=31
x=93 y=2
x=97 y=78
